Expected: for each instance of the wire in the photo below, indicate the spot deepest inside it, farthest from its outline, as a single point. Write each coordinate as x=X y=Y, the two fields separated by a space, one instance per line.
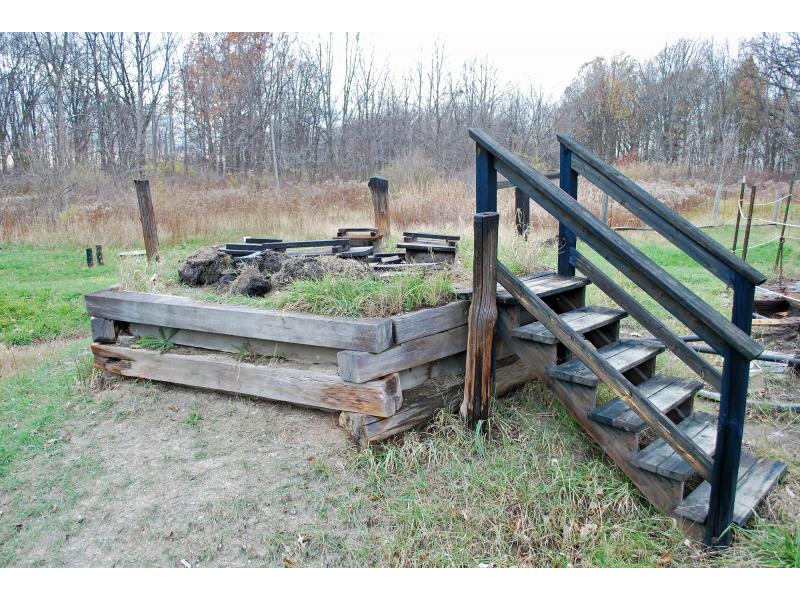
x=768 y=221
x=761 y=244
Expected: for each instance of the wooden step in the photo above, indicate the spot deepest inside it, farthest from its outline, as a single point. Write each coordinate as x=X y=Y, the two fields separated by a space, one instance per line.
x=757 y=476
x=623 y=355
x=660 y=458
x=665 y=391
x=543 y=284
x=582 y=320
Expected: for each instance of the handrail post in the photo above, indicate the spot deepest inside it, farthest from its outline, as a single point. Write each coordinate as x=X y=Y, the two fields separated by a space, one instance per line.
x=568 y=181
x=480 y=365
x=485 y=181
x=730 y=427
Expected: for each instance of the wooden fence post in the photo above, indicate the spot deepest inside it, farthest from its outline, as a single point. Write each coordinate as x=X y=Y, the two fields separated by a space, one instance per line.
x=738 y=215
x=782 y=239
x=148 y=218
x=567 y=240
x=380 y=204
x=522 y=211
x=99 y=254
x=480 y=366
x=89 y=260
x=749 y=222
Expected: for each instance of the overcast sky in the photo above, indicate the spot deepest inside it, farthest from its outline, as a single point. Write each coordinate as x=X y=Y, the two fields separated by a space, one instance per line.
x=541 y=59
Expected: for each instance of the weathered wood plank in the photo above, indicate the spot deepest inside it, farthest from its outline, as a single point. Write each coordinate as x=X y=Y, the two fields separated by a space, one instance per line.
x=240 y=345
x=582 y=320
x=305 y=387
x=622 y=355
x=364 y=366
x=103 y=330
x=421 y=403
x=659 y=457
x=428 y=321
x=369 y=335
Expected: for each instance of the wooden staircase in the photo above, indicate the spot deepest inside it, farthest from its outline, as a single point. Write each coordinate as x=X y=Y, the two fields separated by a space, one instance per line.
x=656 y=469
x=688 y=463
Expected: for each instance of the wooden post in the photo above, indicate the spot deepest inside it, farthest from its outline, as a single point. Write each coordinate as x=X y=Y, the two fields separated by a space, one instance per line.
x=380 y=204
x=98 y=250
x=604 y=209
x=738 y=216
x=480 y=364
x=782 y=239
x=89 y=260
x=730 y=426
x=148 y=218
x=485 y=182
x=749 y=222
x=568 y=181
x=522 y=211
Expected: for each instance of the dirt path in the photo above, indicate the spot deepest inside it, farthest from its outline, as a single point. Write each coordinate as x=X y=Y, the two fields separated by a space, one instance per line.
x=166 y=476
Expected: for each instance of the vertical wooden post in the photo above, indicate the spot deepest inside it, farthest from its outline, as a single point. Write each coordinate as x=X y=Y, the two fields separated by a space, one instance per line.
x=522 y=212
x=730 y=426
x=568 y=181
x=98 y=249
x=749 y=222
x=89 y=260
x=148 y=218
x=485 y=182
x=480 y=366
x=738 y=216
x=782 y=239
x=604 y=209
x=379 y=187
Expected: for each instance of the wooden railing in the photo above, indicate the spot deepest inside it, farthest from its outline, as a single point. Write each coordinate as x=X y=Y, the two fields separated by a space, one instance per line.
x=731 y=339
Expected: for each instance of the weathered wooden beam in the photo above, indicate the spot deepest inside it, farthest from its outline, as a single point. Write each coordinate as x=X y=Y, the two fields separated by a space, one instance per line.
x=379 y=188
x=479 y=378
x=364 y=366
x=238 y=345
x=567 y=238
x=103 y=330
x=369 y=335
x=749 y=223
x=443 y=392
x=425 y=322
x=148 y=218
x=305 y=387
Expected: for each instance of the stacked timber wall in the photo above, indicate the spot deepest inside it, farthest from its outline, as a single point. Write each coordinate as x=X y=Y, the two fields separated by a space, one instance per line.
x=385 y=375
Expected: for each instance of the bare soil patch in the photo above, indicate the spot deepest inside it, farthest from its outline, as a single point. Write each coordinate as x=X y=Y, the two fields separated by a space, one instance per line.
x=168 y=476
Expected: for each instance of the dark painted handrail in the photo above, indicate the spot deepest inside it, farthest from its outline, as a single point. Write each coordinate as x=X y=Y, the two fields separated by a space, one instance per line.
x=681 y=302
x=707 y=251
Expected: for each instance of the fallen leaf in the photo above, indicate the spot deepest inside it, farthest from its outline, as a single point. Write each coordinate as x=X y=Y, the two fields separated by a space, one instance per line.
x=587 y=530
x=288 y=561
x=664 y=559
x=687 y=542
x=170 y=536
x=173 y=408
x=790 y=492
x=51 y=441
x=54 y=508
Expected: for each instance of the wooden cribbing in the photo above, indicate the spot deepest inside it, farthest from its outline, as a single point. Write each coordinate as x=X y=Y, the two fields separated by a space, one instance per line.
x=380 y=204
x=148 y=218
x=479 y=377
x=296 y=385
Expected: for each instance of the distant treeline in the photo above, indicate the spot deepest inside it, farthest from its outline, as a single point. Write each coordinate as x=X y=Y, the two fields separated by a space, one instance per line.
x=266 y=103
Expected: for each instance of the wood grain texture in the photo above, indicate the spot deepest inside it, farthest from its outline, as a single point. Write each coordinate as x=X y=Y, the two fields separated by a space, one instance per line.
x=370 y=335
x=479 y=376
x=364 y=366
x=103 y=330
x=302 y=386
x=582 y=320
x=240 y=345
x=148 y=218
x=379 y=188
x=428 y=321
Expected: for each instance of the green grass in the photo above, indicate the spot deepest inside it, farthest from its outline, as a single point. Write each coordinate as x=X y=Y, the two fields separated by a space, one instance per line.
x=367 y=297
x=42 y=290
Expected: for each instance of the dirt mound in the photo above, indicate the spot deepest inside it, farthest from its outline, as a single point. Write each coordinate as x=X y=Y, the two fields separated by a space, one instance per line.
x=270 y=262
x=251 y=283
x=294 y=268
x=204 y=267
